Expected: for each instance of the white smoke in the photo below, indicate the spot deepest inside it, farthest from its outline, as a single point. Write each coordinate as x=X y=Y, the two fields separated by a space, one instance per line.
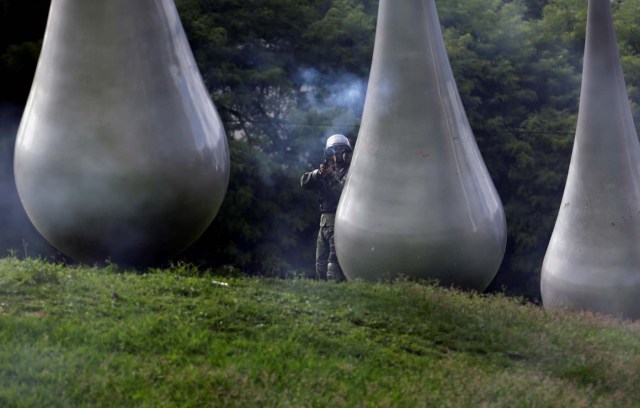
x=337 y=96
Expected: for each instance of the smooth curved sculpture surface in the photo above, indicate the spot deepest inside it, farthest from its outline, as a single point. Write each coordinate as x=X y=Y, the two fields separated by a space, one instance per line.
x=120 y=154
x=419 y=201
x=593 y=259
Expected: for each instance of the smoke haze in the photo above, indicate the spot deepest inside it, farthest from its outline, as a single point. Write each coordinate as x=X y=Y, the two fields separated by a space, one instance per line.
x=17 y=234
x=337 y=95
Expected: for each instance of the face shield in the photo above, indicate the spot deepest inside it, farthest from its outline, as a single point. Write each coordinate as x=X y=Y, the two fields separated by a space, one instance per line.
x=338 y=153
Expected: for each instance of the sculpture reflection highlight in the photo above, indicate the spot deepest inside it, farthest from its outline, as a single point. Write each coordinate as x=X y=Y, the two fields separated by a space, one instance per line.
x=120 y=154
x=419 y=201
x=593 y=259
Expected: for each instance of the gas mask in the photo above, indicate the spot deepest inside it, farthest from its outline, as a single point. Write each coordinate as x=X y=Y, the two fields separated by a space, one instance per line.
x=338 y=154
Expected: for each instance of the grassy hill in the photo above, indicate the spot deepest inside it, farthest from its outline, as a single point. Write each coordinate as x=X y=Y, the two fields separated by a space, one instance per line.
x=74 y=336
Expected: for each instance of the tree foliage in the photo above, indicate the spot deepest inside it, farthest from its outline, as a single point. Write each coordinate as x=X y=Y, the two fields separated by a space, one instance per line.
x=21 y=29
x=285 y=74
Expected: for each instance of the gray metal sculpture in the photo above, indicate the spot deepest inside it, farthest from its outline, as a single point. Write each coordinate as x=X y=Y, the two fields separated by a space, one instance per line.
x=593 y=259
x=120 y=154
x=419 y=201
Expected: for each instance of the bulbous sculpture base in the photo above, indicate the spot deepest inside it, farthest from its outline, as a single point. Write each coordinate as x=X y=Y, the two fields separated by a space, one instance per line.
x=384 y=256
x=133 y=217
x=615 y=300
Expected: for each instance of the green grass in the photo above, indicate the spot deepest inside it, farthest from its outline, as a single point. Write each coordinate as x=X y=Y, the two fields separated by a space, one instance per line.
x=73 y=336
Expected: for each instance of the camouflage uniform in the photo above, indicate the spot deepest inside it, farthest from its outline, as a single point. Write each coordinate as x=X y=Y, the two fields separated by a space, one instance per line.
x=328 y=189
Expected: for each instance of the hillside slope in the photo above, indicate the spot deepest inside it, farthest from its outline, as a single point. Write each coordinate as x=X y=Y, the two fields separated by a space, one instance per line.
x=182 y=337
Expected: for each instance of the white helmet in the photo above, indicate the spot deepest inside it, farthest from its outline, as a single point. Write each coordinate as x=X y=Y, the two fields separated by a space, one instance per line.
x=338 y=149
x=337 y=139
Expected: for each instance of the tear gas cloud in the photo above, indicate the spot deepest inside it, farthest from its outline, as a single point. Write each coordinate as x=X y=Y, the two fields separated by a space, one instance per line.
x=339 y=96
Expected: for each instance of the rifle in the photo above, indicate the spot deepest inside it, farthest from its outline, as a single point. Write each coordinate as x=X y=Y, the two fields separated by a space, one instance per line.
x=329 y=158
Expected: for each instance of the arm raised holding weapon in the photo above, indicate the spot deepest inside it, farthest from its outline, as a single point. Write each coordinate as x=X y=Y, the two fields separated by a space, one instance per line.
x=327 y=181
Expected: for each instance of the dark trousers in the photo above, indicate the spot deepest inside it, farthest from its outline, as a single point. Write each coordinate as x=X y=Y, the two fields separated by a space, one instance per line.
x=325 y=255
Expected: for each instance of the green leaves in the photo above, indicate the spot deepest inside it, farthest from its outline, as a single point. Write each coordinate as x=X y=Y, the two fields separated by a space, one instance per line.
x=343 y=36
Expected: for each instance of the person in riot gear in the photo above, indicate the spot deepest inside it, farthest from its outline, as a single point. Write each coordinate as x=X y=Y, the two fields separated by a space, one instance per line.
x=327 y=181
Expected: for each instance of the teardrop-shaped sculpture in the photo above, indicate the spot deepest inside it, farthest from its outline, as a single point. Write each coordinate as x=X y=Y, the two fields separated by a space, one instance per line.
x=120 y=154
x=419 y=201
x=593 y=259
